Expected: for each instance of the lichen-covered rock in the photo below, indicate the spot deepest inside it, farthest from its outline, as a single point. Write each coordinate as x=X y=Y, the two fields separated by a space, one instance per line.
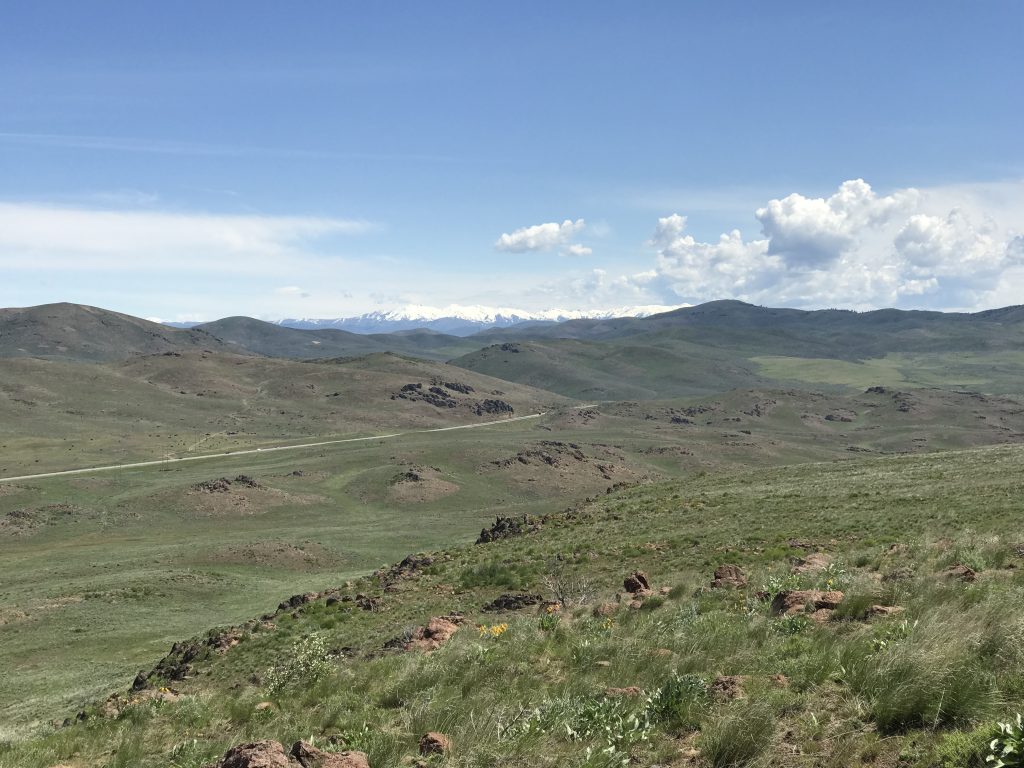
x=435 y=743
x=729 y=576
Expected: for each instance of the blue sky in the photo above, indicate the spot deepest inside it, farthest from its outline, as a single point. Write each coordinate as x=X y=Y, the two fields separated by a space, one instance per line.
x=194 y=160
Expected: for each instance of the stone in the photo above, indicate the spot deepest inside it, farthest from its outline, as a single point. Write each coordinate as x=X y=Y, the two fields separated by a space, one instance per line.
x=257 y=754
x=435 y=743
x=729 y=576
x=309 y=756
x=960 y=573
x=805 y=601
x=816 y=562
x=637 y=584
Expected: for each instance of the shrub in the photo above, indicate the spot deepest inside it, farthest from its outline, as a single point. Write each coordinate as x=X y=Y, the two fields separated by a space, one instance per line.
x=680 y=702
x=614 y=725
x=494 y=574
x=306 y=664
x=792 y=624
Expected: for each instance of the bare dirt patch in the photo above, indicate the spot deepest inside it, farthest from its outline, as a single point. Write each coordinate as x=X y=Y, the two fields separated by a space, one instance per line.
x=239 y=496
x=305 y=555
x=420 y=484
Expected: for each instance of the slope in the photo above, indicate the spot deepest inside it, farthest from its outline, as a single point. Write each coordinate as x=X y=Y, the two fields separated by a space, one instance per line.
x=248 y=335
x=78 y=333
x=54 y=415
x=562 y=670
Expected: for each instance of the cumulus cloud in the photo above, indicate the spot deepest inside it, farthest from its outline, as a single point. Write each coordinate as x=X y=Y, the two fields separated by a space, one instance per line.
x=854 y=249
x=575 y=249
x=544 y=237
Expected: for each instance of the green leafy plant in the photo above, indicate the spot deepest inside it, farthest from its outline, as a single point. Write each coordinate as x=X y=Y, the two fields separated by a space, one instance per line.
x=1007 y=749
x=680 y=701
x=792 y=624
x=306 y=663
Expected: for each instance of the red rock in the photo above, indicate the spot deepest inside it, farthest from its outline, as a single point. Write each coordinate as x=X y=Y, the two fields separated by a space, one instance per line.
x=729 y=576
x=813 y=563
x=309 y=756
x=437 y=632
x=257 y=754
x=805 y=601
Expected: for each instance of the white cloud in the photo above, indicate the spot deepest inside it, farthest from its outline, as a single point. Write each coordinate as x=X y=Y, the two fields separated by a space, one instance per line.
x=853 y=249
x=292 y=290
x=542 y=237
x=47 y=238
x=575 y=249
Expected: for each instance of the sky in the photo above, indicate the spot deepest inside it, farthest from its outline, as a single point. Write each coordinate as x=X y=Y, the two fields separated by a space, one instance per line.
x=194 y=160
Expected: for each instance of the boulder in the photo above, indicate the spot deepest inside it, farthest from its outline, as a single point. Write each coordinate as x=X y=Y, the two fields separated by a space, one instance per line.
x=805 y=601
x=637 y=584
x=512 y=602
x=816 y=562
x=309 y=756
x=257 y=754
x=435 y=743
x=729 y=576
x=437 y=632
x=960 y=573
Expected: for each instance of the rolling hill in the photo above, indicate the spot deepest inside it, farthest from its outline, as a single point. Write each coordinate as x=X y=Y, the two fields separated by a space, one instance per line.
x=78 y=333
x=245 y=334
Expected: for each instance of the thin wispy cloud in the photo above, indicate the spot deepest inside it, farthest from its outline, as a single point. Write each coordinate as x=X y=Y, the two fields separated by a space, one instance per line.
x=170 y=147
x=41 y=238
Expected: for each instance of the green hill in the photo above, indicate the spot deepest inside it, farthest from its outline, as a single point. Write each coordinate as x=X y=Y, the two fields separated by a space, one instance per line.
x=77 y=333
x=245 y=334
x=721 y=345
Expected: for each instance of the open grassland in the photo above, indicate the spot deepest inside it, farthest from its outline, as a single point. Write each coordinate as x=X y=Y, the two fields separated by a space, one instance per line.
x=976 y=371
x=918 y=658
x=57 y=415
x=101 y=572
x=657 y=366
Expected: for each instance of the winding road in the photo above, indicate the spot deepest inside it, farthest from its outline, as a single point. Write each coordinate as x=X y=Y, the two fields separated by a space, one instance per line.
x=271 y=449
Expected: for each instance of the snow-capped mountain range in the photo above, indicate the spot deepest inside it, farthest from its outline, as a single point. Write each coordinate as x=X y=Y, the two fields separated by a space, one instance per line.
x=463 y=320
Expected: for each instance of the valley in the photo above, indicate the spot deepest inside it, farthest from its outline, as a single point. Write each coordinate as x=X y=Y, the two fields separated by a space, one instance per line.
x=237 y=479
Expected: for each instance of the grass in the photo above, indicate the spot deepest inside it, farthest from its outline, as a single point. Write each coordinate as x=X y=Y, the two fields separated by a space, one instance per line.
x=915 y=689
x=144 y=561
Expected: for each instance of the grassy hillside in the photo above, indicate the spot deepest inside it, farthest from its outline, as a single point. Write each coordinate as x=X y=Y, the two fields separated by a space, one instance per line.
x=842 y=334
x=590 y=370
x=245 y=334
x=59 y=416
x=149 y=556
x=78 y=333
x=917 y=659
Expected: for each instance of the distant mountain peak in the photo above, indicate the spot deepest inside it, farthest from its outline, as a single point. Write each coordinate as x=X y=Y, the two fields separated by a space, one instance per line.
x=462 y=320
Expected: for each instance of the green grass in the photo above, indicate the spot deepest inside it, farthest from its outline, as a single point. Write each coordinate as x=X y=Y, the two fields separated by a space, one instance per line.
x=134 y=560
x=979 y=371
x=914 y=689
